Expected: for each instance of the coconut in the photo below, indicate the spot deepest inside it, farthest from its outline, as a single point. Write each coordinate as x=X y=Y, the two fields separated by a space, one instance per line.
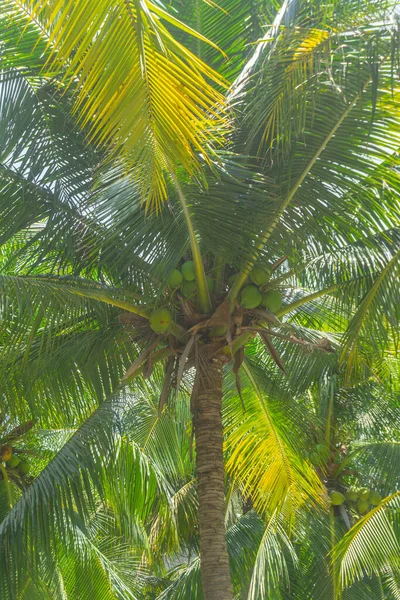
x=188 y=271
x=188 y=289
x=5 y=453
x=362 y=505
x=319 y=454
x=322 y=449
x=160 y=320
x=272 y=300
x=13 y=461
x=218 y=331
x=337 y=498
x=175 y=279
x=210 y=284
x=351 y=494
x=375 y=498
x=259 y=275
x=24 y=467
x=363 y=493
x=250 y=297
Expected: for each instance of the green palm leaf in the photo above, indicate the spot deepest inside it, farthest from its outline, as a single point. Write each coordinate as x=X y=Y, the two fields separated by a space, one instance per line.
x=371 y=545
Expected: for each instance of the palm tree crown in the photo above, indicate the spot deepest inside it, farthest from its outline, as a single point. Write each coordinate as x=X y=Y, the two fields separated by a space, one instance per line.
x=199 y=299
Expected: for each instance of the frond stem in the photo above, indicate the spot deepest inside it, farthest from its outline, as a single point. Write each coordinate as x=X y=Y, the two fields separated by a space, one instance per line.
x=201 y=281
x=301 y=301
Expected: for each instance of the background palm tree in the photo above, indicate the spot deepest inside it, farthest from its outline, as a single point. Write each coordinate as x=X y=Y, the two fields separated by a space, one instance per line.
x=310 y=135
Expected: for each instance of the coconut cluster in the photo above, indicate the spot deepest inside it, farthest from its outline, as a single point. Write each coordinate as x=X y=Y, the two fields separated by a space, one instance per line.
x=358 y=499
x=13 y=462
x=252 y=295
x=184 y=281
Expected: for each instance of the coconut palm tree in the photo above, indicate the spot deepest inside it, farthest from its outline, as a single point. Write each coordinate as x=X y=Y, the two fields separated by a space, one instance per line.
x=356 y=455
x=152 y=220
x=362 y=455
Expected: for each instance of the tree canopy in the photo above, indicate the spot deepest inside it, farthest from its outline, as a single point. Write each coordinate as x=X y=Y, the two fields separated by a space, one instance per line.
x=248 y=148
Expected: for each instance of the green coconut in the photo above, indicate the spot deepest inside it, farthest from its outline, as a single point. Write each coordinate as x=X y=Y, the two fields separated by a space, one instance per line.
x=319 y=454
x=218 y=331
x=250 y=297
x=272 y=300
x=24 y=467
x=259 y=275
x=5 y=453
x=337 y=498
x=160 y=320
x=322 y=451
x=210 y=283
x=175 y=279
x=188 y=289
x=363 y=493
x=13 y=461
x=375 y=498
x=188 y=271
x=362 y=505
x=351 y=494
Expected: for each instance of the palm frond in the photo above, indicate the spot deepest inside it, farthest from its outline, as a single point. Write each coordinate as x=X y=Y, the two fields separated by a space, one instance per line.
x=379 y=461
x=371 y=545
x=261 y=455
x=337 y=111
x=231 y=24
x=148 y=71
x=266 y=578
x=380 y=298
x=59 y=344
x=68 y=489
x=186 y=581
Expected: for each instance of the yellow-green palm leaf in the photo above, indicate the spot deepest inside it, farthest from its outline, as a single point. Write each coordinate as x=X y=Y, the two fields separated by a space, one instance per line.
x=262 y=458
x=140 y=90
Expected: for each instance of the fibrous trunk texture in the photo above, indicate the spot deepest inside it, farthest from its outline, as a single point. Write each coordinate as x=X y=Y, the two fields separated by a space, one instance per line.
x=207 y=414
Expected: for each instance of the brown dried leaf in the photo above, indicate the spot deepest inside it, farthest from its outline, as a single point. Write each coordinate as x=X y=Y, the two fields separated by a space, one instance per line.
x=18 y=431
x=167 y=383
x=191 y=444
x=238 y=360
x=278 y=263
x=325 y=345
x=191 y=316
x=139 y=361
x=128 y=318
x=265 y=315
x=193 y=396
x=148 y=367
x=222 y=316
x=182 y=361
x=272 y=350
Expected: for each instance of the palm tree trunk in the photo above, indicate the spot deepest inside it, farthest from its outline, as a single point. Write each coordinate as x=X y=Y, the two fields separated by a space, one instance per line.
x=207 y=418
